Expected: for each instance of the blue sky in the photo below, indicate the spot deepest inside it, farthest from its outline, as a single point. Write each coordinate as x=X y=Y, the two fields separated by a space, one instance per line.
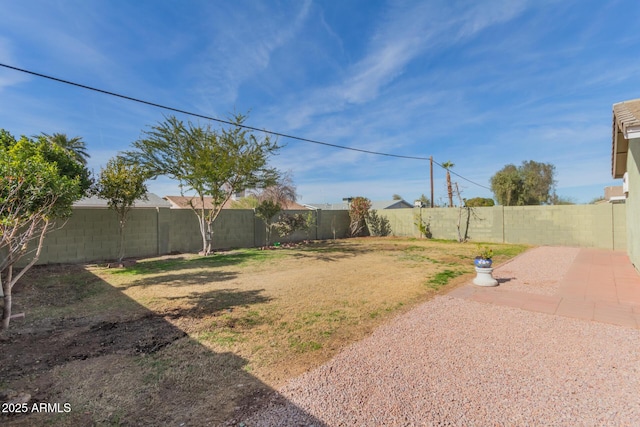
x=479 y=83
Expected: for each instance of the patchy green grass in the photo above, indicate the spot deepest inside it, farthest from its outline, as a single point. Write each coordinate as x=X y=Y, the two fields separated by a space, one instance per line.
x=507 y=251
x=442 y=278
x=300 y=346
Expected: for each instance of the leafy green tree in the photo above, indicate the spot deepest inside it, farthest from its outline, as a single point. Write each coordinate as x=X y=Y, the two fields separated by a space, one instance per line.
x=538 y=182
x=379 y=225
x=76 y=145
x=38 y=184
x=121 y=184
x=287 y=224
x=358 y=213
x=532 y=183
x=266 y=211
x=248 y=202
x=507 y=185
x=210 y=163
x=478 y=202
x=397 y=197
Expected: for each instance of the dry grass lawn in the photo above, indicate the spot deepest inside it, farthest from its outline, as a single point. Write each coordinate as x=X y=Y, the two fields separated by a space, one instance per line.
x=187 y=339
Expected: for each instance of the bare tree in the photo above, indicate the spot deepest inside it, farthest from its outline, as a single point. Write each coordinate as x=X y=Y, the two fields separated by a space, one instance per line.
x=282 y=192
x=469 y=210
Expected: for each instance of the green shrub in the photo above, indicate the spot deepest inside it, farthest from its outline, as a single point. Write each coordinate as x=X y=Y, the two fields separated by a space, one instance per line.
x=378 y=225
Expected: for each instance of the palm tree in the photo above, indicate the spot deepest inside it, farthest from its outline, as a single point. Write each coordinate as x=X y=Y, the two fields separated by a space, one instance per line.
x=76 y=145
x=448 y=165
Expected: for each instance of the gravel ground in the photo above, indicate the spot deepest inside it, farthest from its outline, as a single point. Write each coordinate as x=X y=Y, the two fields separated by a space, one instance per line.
x=523 y=273
x=462 y=363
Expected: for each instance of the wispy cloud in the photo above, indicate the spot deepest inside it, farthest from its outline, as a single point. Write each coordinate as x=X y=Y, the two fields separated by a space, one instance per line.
x=408 y=32
x=238 y=49
x=8 y=77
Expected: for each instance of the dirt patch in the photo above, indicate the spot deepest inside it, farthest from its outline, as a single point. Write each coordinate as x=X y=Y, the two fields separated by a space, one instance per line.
x=74 y=339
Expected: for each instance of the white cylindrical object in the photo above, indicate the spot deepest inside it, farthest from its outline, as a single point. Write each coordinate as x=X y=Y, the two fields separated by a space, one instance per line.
x=484 y=277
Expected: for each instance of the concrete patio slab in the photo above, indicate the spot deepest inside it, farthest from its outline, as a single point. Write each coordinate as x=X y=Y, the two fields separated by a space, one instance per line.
x=598 y=285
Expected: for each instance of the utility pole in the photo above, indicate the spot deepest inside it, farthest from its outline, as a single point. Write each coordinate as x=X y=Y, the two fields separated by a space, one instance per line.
x=431 y=162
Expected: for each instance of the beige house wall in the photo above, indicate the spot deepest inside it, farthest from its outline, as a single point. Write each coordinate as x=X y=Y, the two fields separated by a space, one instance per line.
x=91 y=234
x=633 y=202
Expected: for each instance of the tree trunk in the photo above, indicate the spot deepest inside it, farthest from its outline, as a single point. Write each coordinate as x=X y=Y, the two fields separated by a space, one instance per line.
x=6 y=288
x=121 y=247
x=449 y=189
x=267 y=234
x=203 y=231
x=9 y=280
x=209 y=238
x=466 y=230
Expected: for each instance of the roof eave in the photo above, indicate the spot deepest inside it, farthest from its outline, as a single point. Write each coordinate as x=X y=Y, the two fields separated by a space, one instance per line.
x=619 y=148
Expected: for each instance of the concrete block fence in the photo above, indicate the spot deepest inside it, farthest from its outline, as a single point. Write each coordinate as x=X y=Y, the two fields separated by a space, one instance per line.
x=91 y=234
x=597 y=226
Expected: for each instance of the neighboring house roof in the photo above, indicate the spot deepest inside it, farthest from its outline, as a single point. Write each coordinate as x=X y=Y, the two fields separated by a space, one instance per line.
x=377 y=205
x=626 y=126
x=391 y=204
x=185 y=202
x=182 y=202
x=329 y=206
x=153 y=201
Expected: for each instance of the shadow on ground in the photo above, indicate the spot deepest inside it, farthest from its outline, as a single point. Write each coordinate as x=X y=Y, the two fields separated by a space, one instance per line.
x=183 y=279
x=117 y=363
x=203 y=304
x=177 y=263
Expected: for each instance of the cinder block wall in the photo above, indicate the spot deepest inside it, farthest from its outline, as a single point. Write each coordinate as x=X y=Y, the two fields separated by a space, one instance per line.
x=330 y=221
x=599 y=226
x=91 y=234
x=572 y=225
x=234 y=228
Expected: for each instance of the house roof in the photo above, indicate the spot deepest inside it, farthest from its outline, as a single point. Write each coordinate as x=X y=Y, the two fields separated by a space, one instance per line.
x=391 y=204
x=182 y=202
x=329 y=206
x=152 y=201
x=377 y=205
x=626 y=125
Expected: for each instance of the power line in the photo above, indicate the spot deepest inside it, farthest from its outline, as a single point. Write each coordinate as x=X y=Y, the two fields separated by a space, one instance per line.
x=460 y=176
x=177 y=110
